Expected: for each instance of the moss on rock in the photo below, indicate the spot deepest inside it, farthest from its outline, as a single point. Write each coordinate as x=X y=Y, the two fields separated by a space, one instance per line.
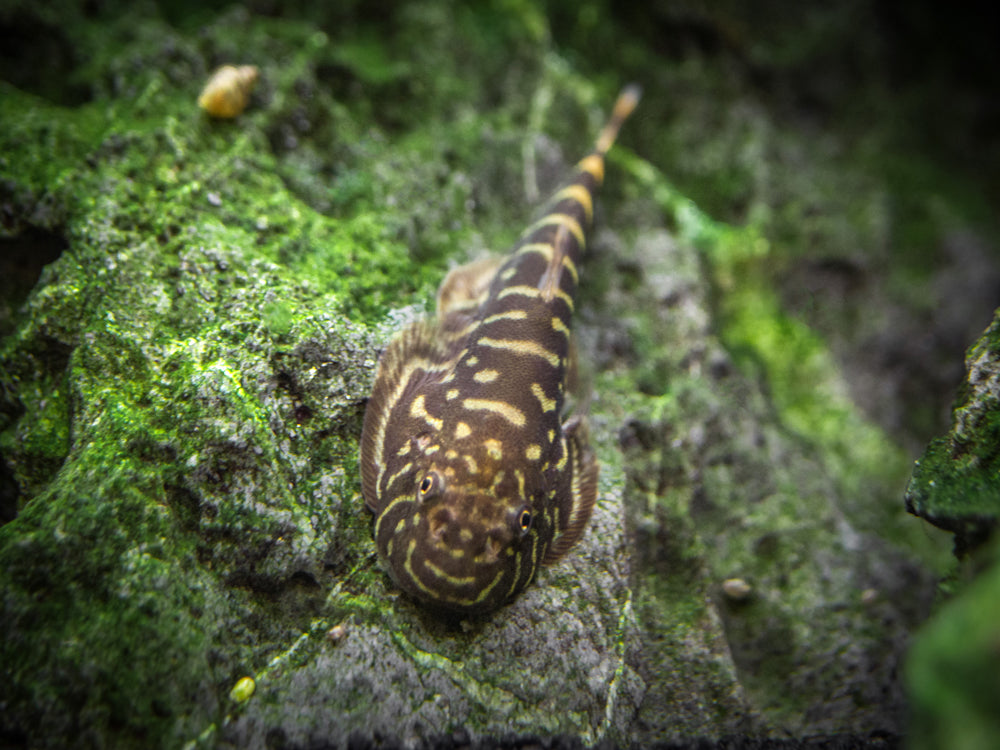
x=956 y=483
x=183 y=393
x=183 y=388
x=952 y=670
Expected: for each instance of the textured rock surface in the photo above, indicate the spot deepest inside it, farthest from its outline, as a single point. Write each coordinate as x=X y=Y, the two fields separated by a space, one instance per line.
x=953 y=673
x=956 y=484
x=192 y=312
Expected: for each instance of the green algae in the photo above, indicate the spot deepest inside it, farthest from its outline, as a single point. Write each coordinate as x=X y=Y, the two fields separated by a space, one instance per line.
x=956 y=483
x=953 y=670
x=206 y=314
x=801 y=374
x=803 y=491
x=58 y=139
x=107 y=597
x=199 y=356
x=133 y=366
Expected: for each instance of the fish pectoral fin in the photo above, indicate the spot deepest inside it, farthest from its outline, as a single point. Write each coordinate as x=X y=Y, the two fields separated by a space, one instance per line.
x=420 y=342
x=578 y=499
x=414 y=357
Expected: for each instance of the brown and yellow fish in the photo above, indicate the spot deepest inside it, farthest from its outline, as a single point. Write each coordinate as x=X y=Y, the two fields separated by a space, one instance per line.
x=473 y=476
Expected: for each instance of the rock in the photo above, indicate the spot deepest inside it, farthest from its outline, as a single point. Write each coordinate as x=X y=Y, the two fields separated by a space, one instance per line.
x=185 y=559
x=952 y=671
x=956 y=483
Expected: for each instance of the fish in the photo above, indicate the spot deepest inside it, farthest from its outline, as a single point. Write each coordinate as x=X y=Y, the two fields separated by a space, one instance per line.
x=473 y=474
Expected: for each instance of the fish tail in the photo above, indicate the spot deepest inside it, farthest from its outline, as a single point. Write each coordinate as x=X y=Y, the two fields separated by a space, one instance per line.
x=625 y=104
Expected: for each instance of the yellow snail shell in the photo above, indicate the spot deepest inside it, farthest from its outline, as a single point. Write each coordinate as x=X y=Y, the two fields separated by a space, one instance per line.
x=227 y=92
x=242 y=690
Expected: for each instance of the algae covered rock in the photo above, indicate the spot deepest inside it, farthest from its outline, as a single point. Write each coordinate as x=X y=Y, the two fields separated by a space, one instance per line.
x=956 y=483
x=191 y=336
x=182 y=399
x=953 y=671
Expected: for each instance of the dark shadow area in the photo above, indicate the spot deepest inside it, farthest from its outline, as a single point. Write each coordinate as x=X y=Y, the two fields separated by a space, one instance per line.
x=9 y=493
x=22 y=259
x=40 y=58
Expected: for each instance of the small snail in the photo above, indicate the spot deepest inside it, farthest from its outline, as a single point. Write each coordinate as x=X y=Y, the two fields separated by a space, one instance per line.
x=337 y=633
x=736 y=589
x=242 y=690
x=227 y=92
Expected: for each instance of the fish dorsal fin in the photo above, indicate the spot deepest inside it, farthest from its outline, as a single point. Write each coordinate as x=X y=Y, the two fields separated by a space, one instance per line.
x=578 y=503
x=551 y=279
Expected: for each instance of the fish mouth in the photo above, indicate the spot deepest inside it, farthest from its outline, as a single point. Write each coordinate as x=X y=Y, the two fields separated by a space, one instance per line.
x=454 y=552
x=454 y=578
x=437 y=587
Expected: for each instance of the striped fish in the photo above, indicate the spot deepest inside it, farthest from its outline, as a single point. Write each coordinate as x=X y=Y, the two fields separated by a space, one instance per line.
x=473 y=475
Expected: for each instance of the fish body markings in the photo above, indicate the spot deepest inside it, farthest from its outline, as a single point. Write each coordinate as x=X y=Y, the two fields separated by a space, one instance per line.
x=473 y=475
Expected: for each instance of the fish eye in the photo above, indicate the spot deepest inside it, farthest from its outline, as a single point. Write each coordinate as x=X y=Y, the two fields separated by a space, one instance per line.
x=429 y=483
x=524 y=520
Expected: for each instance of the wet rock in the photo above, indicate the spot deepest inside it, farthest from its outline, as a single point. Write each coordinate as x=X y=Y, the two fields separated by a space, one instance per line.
x=182 y=388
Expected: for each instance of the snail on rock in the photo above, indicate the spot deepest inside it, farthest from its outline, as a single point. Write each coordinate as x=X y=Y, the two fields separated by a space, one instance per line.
x=227 y=92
